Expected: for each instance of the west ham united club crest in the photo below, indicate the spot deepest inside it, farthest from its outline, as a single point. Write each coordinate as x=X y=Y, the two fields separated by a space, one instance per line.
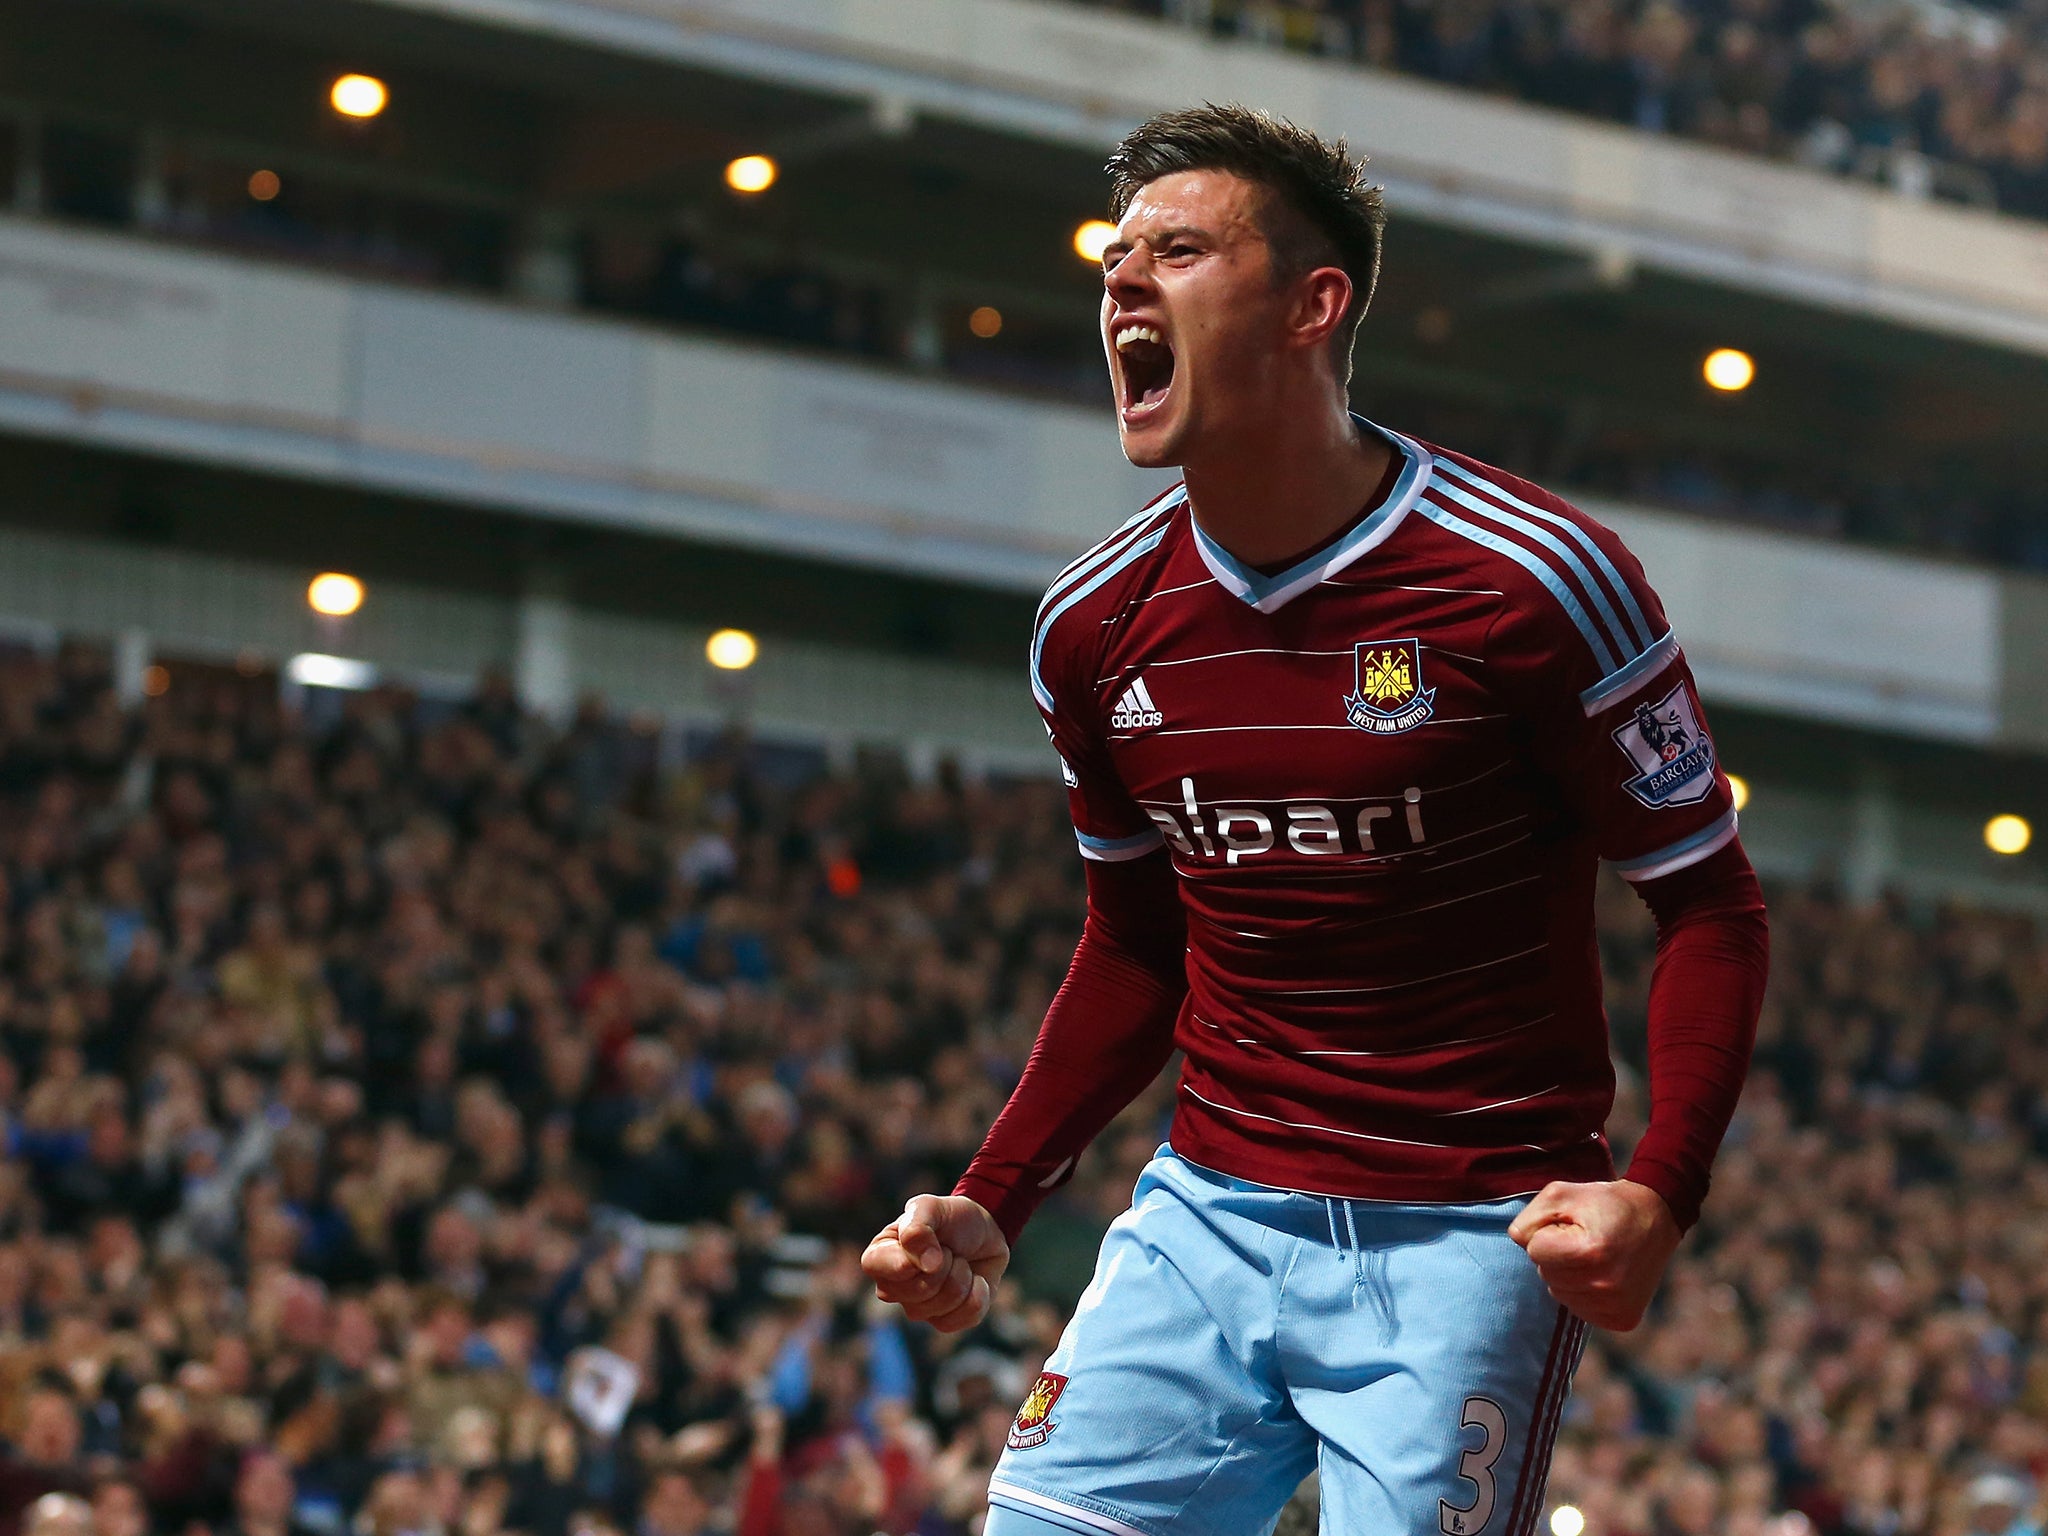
x=1390 y=696
x=1673 y=759
x=1034 y=1420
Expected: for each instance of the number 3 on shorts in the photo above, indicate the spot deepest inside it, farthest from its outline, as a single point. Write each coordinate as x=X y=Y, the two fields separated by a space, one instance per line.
x=1476 y=1467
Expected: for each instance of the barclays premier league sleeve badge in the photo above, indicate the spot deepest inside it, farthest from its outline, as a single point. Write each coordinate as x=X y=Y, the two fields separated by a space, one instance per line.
x=1673 y=759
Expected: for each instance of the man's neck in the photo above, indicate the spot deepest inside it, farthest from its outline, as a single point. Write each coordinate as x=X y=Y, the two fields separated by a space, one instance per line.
x=1288 y=490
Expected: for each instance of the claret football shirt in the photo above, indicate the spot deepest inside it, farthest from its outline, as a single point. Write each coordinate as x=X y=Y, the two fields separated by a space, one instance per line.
x=1385 y=777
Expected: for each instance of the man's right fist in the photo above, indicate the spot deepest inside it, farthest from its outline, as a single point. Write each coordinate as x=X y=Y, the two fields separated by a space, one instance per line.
x=939 y=1261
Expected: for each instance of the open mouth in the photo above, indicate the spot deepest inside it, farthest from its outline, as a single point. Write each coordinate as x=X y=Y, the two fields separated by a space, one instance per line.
x=1146 y=368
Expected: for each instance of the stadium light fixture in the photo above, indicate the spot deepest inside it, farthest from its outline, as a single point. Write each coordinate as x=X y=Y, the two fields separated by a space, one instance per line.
x=751 y=174
x=1729 y=369
x=986 y=321
x=314 y=670
x=1092 y=238
x=1566 y=1520
x=334 y=595
x=359 y=96
x=1738 y=789
x=731 y=650
x=265 y=185
x=2008 y=834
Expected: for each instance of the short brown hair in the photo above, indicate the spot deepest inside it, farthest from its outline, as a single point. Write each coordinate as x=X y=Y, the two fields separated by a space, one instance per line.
x=1320 y=208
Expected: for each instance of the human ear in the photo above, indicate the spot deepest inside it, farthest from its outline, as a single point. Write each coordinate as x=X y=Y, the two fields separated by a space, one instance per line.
x=1322 y=297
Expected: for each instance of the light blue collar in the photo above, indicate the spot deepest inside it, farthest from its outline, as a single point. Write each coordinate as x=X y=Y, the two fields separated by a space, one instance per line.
x=1268 y=594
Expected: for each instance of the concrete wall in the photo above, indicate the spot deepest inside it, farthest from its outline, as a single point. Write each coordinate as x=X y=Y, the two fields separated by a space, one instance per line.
x=116 y=341
x=1824 y=631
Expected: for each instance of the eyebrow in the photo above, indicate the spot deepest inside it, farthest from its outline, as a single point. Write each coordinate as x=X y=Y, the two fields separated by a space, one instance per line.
x=1121 y=246
x=1159 y=237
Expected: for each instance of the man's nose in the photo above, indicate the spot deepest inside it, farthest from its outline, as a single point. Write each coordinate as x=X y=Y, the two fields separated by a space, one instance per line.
x=1130 y=277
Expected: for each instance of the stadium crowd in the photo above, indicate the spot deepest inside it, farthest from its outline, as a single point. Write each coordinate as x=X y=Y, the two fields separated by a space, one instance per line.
x=433 y=1122
x=1939 y=98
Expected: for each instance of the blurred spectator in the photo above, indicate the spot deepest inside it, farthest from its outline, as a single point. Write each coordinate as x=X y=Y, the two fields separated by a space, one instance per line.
x=118 y=1509
x=1998 y=1504
x=44 y=1459
x=1940 y=98
x=673 y=1506
x=58 y=1514
x=264 y=1493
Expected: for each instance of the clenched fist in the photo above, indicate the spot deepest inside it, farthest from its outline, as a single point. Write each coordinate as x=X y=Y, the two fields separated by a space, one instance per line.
x=1601 y=1248
x=940 y=1261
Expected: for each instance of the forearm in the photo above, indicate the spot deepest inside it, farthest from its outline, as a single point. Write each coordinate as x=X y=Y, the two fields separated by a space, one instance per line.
x=761 y=1507
x=1105 y=1037
x=1713 y=954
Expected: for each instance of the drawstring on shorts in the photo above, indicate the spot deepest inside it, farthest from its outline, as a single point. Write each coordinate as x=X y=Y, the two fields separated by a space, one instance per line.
x=1376 y=1282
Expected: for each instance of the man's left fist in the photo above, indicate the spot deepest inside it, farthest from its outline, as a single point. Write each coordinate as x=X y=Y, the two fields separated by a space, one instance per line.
x=1601 y=1248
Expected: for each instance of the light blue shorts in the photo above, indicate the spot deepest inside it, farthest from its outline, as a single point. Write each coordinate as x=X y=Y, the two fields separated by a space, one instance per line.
x=1236 y=1337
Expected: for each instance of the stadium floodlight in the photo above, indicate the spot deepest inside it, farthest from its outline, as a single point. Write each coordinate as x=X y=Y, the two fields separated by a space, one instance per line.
x=752 y=173
x=265 y=185
x=2008 y=834
x=1729 y=369
x=1566 y=1520
x=731 y=650
x=314 y=670
x=1092 y=238
x=986 y=321
x=361 y=96
x=1738 y=789
x=334 y=594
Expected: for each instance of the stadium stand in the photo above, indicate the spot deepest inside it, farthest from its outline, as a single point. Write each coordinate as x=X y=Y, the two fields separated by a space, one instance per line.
x=1938 y=99
x=424 y=1119
x=690 y=277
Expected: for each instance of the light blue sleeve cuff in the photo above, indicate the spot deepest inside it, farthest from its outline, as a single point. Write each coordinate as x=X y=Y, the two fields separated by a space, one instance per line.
x=1114 y=850
x=1710 y=839
x=1633 y=675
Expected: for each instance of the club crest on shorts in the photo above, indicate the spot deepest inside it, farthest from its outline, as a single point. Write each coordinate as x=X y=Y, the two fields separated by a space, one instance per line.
x=1389 y=695
x=1034 y=1423
x=1673 y=759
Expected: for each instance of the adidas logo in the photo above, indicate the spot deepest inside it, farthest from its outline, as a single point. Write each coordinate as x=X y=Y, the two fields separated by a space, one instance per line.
x=1135 y=711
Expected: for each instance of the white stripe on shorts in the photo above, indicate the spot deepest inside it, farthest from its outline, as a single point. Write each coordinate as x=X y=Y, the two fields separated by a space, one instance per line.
x=1025 y=1496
